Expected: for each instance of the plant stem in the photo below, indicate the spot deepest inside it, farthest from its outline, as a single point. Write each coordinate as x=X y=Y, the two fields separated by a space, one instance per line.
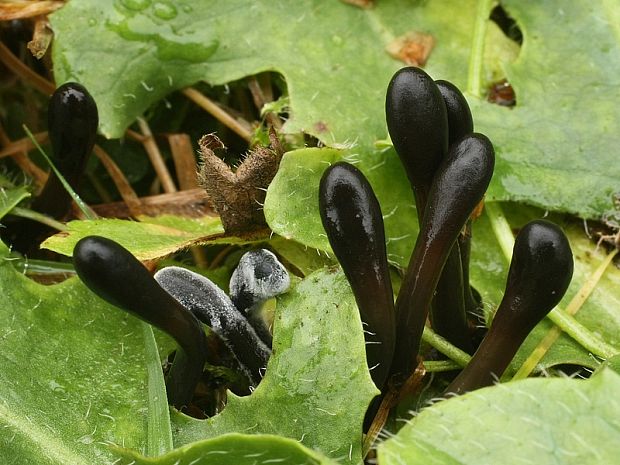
x=459 y=357
x=433 y=366
x=476 y=57
x=501 y=228
x=39 y=217
x=559 y=317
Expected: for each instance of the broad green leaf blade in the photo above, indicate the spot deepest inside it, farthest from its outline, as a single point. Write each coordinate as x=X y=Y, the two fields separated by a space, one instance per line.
x=292 y=202
x=234 y=449
x=317 y=386
x=537 y=421
x=301 y=257
x=146 y=240
x=557 y=146
x=73 y=374
x=10 y=197
x=554 y=147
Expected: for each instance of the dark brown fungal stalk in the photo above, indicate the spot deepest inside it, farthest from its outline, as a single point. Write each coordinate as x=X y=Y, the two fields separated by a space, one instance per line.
x=115 y=275
x=423 y=117
x=72 y=126
x=460 y=124
x=539 y=275
x=453 y=296
x=352 y=219
x=458 y=186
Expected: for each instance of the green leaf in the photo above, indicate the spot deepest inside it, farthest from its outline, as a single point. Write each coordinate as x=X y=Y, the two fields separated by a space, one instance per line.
x=159 y=432
x=292 y=201
x=73 y=374
x=536 y=421
x=556 y=145
x=147 y=241
x=10 y=198
x=305 y=259
x=317 y=386
x=235 y=449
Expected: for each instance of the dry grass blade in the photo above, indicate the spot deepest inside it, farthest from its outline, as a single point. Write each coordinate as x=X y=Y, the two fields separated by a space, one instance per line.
x=27 y=9
x=23 y=161
x=120 y=181
x=20 y=69
x=184 y=160
x=262 y=95
x=41 y=38
x=391 y=399
x=243 y=130
x=22 y=145
x=156 y=158
x=191 y=203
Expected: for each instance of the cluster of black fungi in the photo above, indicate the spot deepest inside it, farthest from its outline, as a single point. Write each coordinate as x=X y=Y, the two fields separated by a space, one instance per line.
x=449 y=168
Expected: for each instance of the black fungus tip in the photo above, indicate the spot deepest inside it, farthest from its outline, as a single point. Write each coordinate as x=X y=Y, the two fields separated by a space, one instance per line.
x=418 y=125
x=352 y=219
x=72 y=125
x=460 y=120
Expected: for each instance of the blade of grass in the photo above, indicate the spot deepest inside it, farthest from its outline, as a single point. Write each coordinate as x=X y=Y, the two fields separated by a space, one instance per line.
x=85 y=209
x=159 y=431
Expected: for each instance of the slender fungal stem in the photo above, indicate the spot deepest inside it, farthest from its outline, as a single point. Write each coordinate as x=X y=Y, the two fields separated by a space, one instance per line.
x=457 y=188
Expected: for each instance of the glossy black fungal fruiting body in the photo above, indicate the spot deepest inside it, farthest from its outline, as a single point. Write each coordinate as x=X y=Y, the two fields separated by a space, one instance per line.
x=458 y=186
x=539 y=275
x=72 y=121
x=114 y=274
x=354 y=225
x=460 y=124
x=448 y=314
x=453 y=296
x=460 y=120
x=418 y=125
x=72 y=127
x=212 y=306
